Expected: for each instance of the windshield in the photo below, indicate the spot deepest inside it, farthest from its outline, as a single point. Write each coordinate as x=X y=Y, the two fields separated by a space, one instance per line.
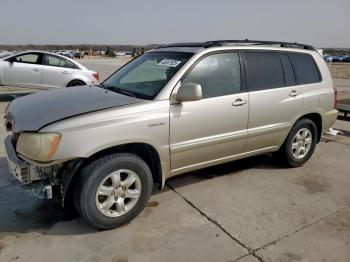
x=146 y=75
x=6 y=54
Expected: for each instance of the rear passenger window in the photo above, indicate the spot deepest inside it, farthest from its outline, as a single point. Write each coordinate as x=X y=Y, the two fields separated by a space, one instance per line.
x=52 y=60
x=263 y=70
x=305 y=68
x=289 y=79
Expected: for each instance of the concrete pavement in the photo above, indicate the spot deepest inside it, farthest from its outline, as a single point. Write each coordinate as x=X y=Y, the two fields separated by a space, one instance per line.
x=248 y=210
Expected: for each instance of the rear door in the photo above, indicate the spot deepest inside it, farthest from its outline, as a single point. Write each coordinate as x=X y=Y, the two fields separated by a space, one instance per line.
x=57 y=71
x=275 y=101
x=24 y=70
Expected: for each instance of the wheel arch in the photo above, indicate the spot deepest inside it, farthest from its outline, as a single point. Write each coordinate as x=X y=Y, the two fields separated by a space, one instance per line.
x=75 y=79
x=145 y=151
x=317 y=119
x=314 y=117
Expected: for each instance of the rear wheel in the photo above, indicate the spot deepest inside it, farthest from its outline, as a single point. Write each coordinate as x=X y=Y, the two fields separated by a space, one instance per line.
x=300 y=143
x=113 y=190
x=76 y=83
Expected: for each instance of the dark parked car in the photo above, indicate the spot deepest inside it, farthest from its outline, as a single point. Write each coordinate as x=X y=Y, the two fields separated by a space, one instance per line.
x=346 y=58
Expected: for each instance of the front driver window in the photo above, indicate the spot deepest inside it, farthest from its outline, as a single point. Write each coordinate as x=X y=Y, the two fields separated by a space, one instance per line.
x=218 y=74
x=29 y=58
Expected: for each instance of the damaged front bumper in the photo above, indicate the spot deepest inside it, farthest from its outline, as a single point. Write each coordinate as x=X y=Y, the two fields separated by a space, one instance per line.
x=39 y=180
x=17 y=167
x=35 y=180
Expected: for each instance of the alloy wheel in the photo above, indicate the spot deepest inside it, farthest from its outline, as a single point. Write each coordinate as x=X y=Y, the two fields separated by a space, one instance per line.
x=302 y=142
x=118 y=193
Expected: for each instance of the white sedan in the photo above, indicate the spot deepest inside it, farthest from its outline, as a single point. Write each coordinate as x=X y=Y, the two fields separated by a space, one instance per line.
x=43 y=70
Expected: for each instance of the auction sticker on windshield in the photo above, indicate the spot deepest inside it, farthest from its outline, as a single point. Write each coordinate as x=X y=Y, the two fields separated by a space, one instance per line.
x=169 y=62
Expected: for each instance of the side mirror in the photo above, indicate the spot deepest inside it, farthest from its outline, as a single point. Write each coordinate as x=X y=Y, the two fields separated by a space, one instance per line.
x=189 y=92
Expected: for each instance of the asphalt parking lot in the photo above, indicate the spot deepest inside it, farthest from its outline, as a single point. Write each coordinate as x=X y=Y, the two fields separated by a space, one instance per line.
x=248 y=210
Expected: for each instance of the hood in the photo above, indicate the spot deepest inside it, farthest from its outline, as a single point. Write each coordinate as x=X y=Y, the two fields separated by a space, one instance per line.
x=32 y=112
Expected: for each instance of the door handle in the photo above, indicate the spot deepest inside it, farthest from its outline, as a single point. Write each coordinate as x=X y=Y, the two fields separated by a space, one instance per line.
x=36 y=70
x=294 y=93
x=239 y=102
x=65 y=72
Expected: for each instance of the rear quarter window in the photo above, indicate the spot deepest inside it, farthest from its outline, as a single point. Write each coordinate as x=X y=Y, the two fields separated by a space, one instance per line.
x=305 y=68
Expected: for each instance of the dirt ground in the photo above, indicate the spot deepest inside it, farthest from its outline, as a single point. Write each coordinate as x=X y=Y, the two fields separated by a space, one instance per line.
x=340 y=70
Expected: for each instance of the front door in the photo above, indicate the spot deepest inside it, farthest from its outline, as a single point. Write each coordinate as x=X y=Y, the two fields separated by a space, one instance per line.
x=214 y=129
x=24 y=70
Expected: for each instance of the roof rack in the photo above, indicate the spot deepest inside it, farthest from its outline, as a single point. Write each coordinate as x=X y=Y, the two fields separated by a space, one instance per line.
x=239 y=42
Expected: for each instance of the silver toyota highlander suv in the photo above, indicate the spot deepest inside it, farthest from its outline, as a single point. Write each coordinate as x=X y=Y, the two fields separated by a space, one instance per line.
x=174 y=109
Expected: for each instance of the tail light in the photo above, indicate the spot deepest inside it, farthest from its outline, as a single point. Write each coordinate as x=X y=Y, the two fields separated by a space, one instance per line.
x=335 y=97
x=96 y=75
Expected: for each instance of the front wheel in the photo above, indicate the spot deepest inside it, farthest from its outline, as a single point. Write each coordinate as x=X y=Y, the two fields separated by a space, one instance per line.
x=300 y=143
x=113 y=190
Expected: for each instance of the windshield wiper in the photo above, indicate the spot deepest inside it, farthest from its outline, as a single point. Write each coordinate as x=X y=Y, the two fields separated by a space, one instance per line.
x=117 y=90
x=124 y=92
x=101 y=85
x=104 y=87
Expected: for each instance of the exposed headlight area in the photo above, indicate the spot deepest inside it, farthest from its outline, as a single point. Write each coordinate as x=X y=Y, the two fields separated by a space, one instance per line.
x=38 y=146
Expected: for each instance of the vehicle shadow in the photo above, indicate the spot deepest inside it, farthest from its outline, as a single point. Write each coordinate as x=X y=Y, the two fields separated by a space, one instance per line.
x=265 y=161
x=22 y=213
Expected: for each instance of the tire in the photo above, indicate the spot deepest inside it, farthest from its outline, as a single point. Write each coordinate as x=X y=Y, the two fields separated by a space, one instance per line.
x=113 y=172
x=76 y=83
x=289 y=151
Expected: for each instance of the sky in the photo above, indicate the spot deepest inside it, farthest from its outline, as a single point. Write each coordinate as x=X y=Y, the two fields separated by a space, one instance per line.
x=322 y=23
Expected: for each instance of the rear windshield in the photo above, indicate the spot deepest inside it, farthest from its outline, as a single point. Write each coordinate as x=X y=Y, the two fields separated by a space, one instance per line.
x=145 y=76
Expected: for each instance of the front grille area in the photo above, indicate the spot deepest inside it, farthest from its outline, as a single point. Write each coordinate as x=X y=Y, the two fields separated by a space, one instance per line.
x=25 y=174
